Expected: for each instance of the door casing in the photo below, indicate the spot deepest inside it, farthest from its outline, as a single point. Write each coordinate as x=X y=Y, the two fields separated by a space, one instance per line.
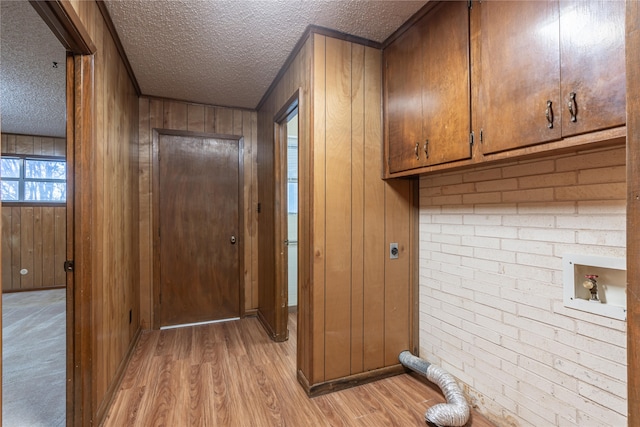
x=65 y=24
x=273 y=310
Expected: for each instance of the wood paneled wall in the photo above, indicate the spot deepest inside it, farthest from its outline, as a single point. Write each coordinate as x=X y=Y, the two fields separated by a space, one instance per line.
x=114 y=284
x=177 y=115
x=297 y=77
x=33 y=237
x=361 y=298
x=30 y=144
x=354 y=302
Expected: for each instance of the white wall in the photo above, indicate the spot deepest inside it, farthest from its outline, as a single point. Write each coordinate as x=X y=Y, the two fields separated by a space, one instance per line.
x=491 y=310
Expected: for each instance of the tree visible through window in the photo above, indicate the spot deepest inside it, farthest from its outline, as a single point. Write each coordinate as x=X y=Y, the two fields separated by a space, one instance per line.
x=33 y=179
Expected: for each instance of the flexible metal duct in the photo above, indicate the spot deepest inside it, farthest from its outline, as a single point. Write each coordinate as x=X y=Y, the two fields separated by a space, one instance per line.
x=454 y=413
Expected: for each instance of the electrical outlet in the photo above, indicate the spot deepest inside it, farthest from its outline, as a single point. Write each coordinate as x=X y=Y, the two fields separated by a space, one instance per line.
x=393 y=251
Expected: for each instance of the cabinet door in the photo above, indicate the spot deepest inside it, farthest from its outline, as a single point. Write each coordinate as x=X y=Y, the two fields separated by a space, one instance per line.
x=404 y=101
x=592 y=61
x=446 y=102
x=520 y=74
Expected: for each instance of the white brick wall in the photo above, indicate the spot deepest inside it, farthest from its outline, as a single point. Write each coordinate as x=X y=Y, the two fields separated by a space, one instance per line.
x=491 y=311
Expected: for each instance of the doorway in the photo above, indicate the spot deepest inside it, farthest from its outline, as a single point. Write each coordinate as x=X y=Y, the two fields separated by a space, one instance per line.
x=34 y=206
x=291 y=125
x=279 y=187
x=197 y=214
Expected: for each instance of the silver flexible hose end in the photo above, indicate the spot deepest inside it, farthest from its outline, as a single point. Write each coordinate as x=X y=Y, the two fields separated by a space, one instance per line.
x=454 y=413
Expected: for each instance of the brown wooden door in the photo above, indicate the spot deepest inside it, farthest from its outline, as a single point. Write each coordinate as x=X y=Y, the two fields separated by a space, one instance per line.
x=404 y=101
x=198 y=224
x=592 y=36
x=446 y=98
x=520 y=74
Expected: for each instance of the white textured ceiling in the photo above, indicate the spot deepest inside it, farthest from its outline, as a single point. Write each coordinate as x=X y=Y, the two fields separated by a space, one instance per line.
x=221 y=52
x=32 y=91
x=227 y=52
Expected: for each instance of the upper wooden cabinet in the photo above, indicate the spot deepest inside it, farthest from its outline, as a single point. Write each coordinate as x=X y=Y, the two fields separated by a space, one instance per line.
x=519 y=88
x=549 y=70
x=403 y=61
x=526 y=77
x=592 y=65
x=427 y=91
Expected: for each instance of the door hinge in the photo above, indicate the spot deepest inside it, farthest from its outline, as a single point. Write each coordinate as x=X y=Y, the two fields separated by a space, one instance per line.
x=68 y=266
x=470 y=4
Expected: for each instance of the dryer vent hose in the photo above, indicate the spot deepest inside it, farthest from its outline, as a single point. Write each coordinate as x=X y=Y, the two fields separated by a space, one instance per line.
x=454 y=413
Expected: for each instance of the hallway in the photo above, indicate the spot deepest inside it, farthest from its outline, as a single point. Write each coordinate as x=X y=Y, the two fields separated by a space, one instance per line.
x=231 y=374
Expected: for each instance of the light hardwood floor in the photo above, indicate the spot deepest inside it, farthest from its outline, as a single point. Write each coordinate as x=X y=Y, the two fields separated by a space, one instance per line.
x=232 y=374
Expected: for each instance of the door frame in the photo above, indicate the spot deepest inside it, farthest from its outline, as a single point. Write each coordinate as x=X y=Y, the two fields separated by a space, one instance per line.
x=155 y=212
x=66 y=25
x=278 y=331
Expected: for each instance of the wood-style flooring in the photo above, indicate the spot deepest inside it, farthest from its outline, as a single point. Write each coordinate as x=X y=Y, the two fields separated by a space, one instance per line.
x=232 y=374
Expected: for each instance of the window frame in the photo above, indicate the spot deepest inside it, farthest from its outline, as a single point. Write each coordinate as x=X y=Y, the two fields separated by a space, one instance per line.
x=21 y=181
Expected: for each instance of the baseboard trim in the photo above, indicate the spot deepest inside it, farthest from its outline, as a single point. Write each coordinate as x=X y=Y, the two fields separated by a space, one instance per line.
x=47 y=288
x=267 y=327
x=304 y=382
x=348 y=382
x=107 y=402
x=252 y=312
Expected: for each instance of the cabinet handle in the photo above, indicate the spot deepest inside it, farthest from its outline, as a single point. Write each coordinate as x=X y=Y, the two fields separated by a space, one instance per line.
x=573 y=107
x=549 y=114
x=415 y=150
x=426 y=149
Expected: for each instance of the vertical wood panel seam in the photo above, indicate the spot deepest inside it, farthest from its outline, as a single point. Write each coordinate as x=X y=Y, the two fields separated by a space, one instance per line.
x=364 y=183
x=352 y=214
x=324 y=237
x=249 y=237
x=351 y=201
x=351 y=156
x=384 y=280
x=253 y=201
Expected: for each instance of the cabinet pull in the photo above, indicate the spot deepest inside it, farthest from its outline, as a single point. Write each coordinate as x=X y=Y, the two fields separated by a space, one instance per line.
x=549 y=114
x=415 y=150
x=426 y=149
x=573 y=107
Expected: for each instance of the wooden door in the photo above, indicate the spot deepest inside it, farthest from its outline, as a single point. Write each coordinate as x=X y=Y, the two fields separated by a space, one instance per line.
x=403 y=78
x=198 y=244
x=446 y=97
x=519 y=74
x=592 y=36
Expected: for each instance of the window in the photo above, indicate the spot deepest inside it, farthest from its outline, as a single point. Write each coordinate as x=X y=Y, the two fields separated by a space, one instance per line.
x=33 y=180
